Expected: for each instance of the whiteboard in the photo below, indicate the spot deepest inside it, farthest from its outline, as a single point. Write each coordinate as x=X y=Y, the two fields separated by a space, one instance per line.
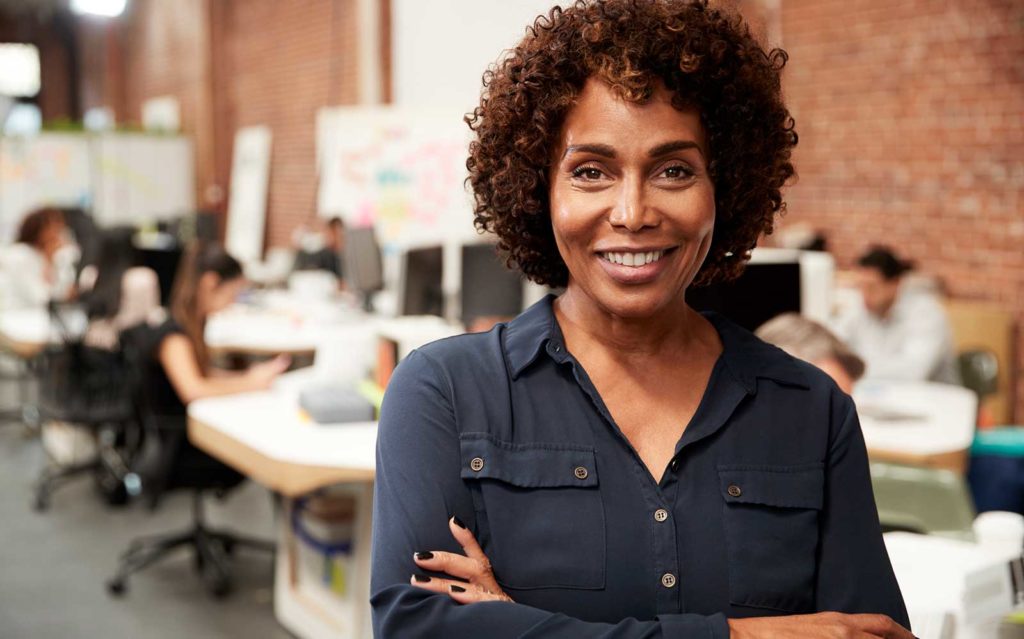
x=402 y=170
x=247 y=206
x=142 y=178
x=40 y=170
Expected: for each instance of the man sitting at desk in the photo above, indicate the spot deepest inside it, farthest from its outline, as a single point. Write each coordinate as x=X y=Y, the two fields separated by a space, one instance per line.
x=901 y=330
x=323 y=250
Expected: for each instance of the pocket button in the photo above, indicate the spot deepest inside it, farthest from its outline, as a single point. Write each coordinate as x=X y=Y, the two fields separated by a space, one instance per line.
x=581 y=472
x=476 y=464
x=734 y=490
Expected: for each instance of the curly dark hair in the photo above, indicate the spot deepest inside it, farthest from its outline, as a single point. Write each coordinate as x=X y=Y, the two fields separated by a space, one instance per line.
x=708 y=60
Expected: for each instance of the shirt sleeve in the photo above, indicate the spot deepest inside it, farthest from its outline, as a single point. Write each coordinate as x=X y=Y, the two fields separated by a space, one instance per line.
x=417 y=489
x=854 y=571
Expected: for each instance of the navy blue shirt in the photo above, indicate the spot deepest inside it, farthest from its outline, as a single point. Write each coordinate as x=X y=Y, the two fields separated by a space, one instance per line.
x=765 y=509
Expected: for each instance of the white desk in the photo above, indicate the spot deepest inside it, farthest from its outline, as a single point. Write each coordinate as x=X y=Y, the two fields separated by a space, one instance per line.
x=966 y=583
x=266 y=436
x=917 y=422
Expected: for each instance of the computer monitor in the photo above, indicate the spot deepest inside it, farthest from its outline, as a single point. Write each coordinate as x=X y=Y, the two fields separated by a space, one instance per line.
x=364 y=271
x=422 y=291
x=489 y=288
x=768 y=287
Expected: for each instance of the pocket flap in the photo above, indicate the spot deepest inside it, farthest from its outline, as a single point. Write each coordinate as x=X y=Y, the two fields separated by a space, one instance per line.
x=780 y=486
x=534 y=465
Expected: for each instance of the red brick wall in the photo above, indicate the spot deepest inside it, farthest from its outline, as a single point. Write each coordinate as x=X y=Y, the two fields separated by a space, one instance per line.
x=278 y=63
x=233 y=63
x=911 y=123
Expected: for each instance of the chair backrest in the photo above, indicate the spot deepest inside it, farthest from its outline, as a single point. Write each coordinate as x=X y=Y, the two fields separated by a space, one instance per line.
x=979 y=371
x=926 y=500
x=79 y=383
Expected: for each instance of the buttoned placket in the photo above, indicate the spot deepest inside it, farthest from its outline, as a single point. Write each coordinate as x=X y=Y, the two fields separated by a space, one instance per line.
x=665 y=564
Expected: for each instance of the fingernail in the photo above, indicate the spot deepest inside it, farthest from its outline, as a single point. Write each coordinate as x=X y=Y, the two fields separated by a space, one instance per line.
x=458 y=522
x=424 y=555
x=421 y=578
x=458 y=589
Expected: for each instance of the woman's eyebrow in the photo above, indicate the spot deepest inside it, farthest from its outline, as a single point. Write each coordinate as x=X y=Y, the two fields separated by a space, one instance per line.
x=603 y=150
x=672 y=147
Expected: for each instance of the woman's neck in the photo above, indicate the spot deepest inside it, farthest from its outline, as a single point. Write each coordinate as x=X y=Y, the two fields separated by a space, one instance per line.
x=671 y=330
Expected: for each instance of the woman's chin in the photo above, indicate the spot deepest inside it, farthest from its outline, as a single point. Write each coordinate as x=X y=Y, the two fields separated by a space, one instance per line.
x=639 y=304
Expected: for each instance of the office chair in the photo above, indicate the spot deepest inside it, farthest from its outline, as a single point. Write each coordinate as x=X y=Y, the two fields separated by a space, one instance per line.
x=166 y=462
x=928 y=501
x=86 y=386
x=979 y=372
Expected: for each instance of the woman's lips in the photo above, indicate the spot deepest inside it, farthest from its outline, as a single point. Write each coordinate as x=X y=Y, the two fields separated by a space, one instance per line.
x=633 y=275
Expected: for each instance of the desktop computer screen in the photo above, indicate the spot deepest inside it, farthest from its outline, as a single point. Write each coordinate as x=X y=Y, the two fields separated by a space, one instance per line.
x=764 y=290
x=489 y=289
x=364 y=271
x=422 y=291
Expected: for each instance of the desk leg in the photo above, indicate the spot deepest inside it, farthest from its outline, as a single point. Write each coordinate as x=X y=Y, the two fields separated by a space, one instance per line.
x=312 y=610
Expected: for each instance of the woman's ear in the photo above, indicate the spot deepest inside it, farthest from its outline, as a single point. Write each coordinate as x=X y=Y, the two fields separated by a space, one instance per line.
x=208 y=281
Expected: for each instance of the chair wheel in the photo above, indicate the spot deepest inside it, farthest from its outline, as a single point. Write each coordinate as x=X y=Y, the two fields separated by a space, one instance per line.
x=41 y=503
x=116 y=587
x=220 y=587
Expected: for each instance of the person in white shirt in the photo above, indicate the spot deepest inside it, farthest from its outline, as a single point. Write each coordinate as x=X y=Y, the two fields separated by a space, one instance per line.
x=901 y=330
x=40 y=266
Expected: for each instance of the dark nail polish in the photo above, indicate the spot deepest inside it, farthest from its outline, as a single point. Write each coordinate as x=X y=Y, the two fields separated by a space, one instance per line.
x=424 y=555
x=421 y=578
x=458 y=589
x=458 y=522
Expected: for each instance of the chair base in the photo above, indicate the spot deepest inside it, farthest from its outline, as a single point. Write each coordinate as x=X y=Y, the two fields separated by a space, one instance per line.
x=211 y=549
x=53 y=477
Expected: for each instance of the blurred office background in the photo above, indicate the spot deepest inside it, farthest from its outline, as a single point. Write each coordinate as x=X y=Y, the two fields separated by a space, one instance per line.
x=253 y=123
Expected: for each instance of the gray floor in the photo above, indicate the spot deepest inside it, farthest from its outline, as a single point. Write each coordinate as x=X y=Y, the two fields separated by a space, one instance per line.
x=53 y=566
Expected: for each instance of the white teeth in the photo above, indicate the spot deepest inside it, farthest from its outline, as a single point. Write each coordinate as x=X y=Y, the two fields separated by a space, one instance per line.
x=633 y=259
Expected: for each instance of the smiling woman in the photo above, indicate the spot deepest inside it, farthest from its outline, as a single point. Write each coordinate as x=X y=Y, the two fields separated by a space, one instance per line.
x=612 y=463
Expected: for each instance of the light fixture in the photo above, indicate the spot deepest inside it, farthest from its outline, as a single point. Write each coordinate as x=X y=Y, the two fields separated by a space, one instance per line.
x=105 y=8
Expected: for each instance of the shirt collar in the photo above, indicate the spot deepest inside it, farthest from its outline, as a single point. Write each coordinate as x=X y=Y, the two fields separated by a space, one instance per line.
x=746 y=357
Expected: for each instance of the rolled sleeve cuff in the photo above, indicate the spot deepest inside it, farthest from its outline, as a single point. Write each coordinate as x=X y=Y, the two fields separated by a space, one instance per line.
x=694 y=626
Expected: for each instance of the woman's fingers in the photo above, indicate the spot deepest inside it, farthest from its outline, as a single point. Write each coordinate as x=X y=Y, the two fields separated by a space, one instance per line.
x=451 y=564
x=460 y=591
x=485 y=574
x=879 y=625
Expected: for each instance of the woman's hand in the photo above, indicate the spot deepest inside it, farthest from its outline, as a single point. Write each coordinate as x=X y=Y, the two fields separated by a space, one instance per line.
x=264 y=373
x=818 y=626
x=474 y=570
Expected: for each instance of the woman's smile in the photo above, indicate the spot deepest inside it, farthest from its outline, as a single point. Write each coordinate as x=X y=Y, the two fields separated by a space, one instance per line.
x=635 y=266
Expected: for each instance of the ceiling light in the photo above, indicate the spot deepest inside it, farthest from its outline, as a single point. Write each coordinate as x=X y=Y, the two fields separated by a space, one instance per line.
x=105 y=8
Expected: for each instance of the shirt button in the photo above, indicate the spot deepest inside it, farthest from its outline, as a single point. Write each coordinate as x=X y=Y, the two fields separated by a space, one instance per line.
x=668 y=580
x=581 y=472
x=674 y=465
x=734 y=490
x=660 y=515
x=556 y=347
x=477 y=464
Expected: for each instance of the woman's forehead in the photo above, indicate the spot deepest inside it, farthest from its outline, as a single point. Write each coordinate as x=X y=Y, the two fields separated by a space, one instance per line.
x=601 y=116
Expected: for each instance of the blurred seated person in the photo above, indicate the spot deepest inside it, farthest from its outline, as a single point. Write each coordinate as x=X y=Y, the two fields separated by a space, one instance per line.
x=322 y=248
x=901 y=330
x=179 y=370
x=40 y=266
x=810 y=341
x=116 y=291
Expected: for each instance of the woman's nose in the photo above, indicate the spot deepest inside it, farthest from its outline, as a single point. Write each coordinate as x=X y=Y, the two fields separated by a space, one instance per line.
x=631 y=210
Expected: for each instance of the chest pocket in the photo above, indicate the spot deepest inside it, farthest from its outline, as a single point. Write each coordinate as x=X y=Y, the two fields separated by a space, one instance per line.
x=771 y=524
x=543 y=512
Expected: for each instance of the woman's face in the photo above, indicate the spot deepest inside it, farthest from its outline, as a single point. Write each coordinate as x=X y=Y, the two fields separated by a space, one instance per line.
x=52 y=238
x=216 y=294
x=632 y=206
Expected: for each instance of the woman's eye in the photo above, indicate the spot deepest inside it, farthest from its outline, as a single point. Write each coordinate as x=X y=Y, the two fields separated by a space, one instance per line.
x=676 y=172
x=587 y=173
